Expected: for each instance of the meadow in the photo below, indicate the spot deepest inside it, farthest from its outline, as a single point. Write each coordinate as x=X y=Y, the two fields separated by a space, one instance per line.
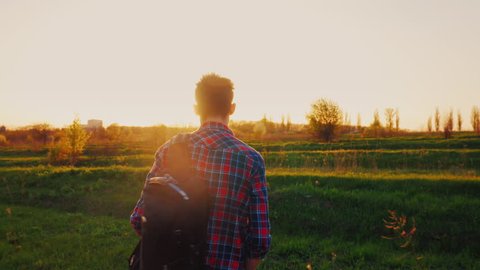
x=328 y=203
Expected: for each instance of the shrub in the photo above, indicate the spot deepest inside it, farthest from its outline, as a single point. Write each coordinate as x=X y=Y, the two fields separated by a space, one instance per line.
x=76 y=138
x=3 y=140
x=324 y=118
x=58 y=153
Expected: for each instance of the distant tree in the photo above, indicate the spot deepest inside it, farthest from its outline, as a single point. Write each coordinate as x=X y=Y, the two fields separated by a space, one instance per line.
x=269 y=124
x=450 y=120
x=376 y=120
x=347 y=120
x=42 y=132
x=389 y=115
x=127 y=132
x=3 y=140
x=359 y=122
x=259 y=129
x=282 y=124
x=3 y=129
x=459 y=121
x=76 y=138
x=376 y=125
x=289 y=123
x=324 y=118
x=58 y=152
x=475 y=119
x=437 y=120
x=242 y=128
x=397 y=120
x=158 y=135
x=429 y=124
x=448 y=125
x=264 y=119
x=98 y=134
x=113 y=132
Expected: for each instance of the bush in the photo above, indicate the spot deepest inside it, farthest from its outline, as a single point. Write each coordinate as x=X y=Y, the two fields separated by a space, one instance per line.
x=324 y=118
x=58 y=153
x=76 y=138
x=3 y=140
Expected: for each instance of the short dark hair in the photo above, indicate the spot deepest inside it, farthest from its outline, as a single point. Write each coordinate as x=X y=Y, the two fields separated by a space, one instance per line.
x=214 y=95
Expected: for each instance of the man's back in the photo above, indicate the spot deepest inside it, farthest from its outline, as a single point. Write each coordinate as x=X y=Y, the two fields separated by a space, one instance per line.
x=236 y=176
x=238 y=226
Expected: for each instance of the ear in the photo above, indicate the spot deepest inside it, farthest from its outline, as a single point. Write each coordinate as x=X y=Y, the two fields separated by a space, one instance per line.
x=233 y=106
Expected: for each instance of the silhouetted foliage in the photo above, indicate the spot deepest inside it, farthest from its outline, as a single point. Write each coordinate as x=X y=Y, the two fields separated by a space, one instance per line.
x=242 y=128
x=269 y=124
x=437 y=120
x=289 y=123
x=157 y=135
x=3 y=140
x=57 y=153
x=475 y=119
x=359 y=122
x=42 y=132
x=397 y=120
x=376 y=126
x=35 y=136
x=325 y=116
x=348 y=120
x=448 y=125
x=254 y=130
x=113 y=132
x=429 y=124
x=459 y=121
x=259 y=129
x=389 y=119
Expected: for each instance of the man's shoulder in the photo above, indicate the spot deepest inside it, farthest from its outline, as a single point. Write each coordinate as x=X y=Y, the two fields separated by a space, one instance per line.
x=249 y=151
x=224 y=142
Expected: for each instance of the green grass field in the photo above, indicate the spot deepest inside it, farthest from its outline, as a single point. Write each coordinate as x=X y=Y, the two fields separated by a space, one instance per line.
x=327 y=205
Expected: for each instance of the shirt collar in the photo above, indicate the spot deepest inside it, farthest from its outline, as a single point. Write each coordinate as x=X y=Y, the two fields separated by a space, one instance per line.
x=216 y=126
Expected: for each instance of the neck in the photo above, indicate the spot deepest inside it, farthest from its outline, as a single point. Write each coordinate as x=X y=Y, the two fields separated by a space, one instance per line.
x=220 y=119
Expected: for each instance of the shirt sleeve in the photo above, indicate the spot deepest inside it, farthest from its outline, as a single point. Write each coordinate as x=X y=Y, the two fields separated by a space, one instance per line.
x=156 y=170
x=259 y=237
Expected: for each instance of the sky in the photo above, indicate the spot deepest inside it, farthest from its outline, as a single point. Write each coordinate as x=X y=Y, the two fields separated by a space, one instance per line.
x=137 y=62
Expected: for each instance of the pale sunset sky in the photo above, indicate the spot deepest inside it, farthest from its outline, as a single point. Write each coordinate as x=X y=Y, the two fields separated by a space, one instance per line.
x=137 y=62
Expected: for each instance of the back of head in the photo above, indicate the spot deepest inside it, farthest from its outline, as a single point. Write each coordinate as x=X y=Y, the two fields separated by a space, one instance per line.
x=214 y=95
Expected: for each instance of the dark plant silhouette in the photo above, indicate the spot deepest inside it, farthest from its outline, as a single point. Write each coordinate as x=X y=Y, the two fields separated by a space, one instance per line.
x=400 y=229
x=324 y=117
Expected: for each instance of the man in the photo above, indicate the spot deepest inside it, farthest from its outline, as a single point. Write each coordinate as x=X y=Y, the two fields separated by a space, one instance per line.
x=238 y=233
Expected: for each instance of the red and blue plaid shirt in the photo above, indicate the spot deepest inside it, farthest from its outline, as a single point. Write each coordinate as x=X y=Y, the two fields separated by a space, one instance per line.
x=238 y=227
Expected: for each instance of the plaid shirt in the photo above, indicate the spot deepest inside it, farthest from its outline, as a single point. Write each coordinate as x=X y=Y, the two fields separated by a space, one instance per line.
x=238 y=226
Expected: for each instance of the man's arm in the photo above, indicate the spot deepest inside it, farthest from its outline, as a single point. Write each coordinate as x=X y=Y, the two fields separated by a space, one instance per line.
x=252 y=264
x=156 y=170
x=259 y=223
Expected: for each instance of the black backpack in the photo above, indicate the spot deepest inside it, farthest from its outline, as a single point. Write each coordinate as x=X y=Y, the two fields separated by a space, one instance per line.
x=174 y=225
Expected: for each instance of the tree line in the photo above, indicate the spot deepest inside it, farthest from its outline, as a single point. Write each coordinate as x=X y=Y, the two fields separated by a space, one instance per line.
x=448 y=121
x=326 y=120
